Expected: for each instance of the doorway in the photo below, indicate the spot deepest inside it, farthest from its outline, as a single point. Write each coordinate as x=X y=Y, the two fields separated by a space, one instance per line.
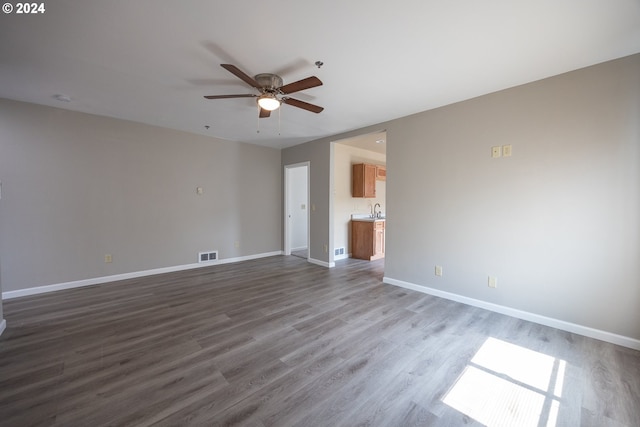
x=369 y=148
x=296 y=210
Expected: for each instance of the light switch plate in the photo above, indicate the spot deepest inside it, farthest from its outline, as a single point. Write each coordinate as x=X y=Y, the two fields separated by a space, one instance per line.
x=496 y=151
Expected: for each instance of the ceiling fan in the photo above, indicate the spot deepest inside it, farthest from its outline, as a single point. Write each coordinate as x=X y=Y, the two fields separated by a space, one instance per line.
x=271 y=91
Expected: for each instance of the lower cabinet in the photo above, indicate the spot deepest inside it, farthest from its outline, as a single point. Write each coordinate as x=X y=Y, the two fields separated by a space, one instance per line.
x=367 y=239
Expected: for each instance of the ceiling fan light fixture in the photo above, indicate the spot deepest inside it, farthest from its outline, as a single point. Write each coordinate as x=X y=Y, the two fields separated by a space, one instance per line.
x=272 y=93
x=268 y=102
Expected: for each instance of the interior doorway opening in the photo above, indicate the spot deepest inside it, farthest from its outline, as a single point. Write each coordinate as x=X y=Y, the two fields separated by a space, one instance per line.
x=369 y=149
x=296 y=210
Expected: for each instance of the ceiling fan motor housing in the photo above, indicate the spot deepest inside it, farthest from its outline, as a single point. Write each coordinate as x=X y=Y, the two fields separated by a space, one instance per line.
x=267 y=81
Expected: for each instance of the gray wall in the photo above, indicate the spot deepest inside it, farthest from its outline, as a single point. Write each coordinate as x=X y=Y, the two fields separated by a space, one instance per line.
x=78 y=186
x=318 y=154
x=557 y=223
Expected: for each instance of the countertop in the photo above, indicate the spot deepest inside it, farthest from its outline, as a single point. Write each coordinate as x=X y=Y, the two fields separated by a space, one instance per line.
x=366 y=218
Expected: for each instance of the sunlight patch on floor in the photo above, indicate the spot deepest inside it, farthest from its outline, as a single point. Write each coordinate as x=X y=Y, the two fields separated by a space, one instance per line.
x=508 y=385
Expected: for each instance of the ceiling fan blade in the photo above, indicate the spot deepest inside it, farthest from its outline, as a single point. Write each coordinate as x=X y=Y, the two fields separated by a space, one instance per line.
x=303 y=105
x=303 y=84
x=264 y=113
x=241 y=75
x=248 y=95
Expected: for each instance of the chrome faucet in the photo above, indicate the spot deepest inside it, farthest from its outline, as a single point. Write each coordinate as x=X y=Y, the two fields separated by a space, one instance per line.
x=376 y=214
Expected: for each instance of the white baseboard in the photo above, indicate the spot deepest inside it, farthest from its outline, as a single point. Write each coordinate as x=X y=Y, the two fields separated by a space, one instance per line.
x=524 y=315
x=3 y=326
x=98 y=280
x=343 y=256
x=321 y=263
x=303 y=248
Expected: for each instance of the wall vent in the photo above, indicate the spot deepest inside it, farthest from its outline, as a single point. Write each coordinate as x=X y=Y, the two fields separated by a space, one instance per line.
x=339 y=251
x=207 y=256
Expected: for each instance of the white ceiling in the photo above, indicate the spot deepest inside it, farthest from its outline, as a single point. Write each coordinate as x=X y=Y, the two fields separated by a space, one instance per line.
x=374 y=141
x=151 y=61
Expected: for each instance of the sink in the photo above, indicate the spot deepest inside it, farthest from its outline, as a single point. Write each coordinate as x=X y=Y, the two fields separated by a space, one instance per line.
x=364 y=217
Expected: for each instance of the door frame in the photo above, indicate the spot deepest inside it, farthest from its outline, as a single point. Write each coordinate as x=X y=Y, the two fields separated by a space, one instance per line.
x=287 y=207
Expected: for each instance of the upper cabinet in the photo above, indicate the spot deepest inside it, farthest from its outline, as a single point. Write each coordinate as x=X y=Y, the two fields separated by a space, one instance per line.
x=364 y=179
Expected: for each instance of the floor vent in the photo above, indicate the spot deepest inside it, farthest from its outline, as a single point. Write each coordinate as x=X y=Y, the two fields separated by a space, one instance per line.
x=208 y=256
x=339 y=251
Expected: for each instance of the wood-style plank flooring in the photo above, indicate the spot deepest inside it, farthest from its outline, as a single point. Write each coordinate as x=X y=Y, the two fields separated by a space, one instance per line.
x=281 y=342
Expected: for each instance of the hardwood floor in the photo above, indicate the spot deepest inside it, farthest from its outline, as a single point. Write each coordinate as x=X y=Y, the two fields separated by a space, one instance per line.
x=281 y=342
x=300 y=254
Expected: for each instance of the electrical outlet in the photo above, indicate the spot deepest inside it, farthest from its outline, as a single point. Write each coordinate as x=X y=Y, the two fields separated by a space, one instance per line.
x=326 y=249
x=493 y=282
x=506 y=150
x=237 y=244
x=108 y=258
x=438 y=270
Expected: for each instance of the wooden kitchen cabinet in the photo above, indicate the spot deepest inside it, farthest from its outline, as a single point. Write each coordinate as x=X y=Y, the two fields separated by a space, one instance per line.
x=367 y=239
x=381 y=173
x=363 y=180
